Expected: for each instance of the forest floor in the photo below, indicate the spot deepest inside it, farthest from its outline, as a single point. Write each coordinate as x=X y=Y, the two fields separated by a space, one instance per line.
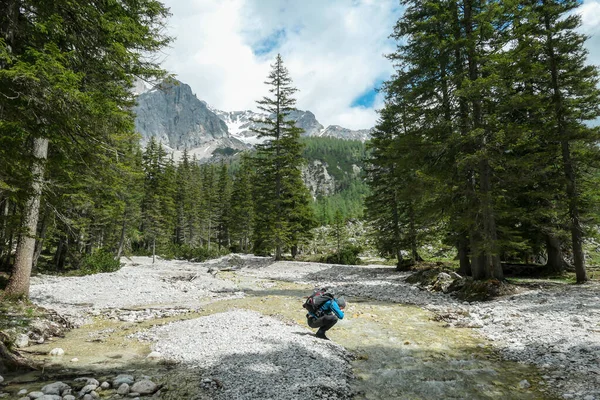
x=234 y=328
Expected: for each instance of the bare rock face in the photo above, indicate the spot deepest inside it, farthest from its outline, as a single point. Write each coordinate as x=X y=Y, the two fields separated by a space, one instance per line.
x=317 y=178
x=174 y=116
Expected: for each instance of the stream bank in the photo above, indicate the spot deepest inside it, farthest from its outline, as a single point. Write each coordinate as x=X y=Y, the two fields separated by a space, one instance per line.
x=217 y=313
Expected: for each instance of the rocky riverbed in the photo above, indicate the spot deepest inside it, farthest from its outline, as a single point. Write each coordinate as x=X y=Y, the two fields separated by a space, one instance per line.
x=233 y=329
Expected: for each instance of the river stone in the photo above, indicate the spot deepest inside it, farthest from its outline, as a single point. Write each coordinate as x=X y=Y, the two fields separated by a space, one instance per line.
x=128 y=379
x=35 y=395
x=154 y=355
x=134 y=394
x=69 y=397
x=25 y=398
x=22 y=392
x=3 y=395
x=87 y=389
x=22 y=340
x=50 y=397
x=524 y=384
x=57 y=352
x=123 y=389
x=55 y=388
x=1 y=379
x=144 y=387
x=105 y=386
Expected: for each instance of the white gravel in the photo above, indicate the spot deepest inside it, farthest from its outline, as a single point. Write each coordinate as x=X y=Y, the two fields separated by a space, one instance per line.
x=257 y=357
x=139 y=283
x=556 y=327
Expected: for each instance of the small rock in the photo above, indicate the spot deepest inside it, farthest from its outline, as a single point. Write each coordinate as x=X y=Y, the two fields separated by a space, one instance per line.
x=120 y=379
x=1 y=379
x=105 y=385
x=22 y=340
x=87 y=389
x=589 y=397
x=40 y=340
x=123 y=389
x=69 y=397
x=55 y=388
x=3 y=395
x=35 y=395
x=88 y=397
x=50 y=397
x=144 y=387
x=22 y=392
x=133 y=394
x=75 y=359
x=154 y=355
x=25 y=398
x=524 y=384
x=57 y=352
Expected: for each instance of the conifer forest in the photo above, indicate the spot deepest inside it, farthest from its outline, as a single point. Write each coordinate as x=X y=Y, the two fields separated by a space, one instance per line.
x=479 y=176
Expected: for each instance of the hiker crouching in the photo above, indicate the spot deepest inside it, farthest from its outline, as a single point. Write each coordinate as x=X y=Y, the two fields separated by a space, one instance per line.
x=326 y=316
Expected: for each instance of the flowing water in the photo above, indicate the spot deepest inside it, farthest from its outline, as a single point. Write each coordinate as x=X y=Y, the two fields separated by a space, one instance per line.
x=400 y=351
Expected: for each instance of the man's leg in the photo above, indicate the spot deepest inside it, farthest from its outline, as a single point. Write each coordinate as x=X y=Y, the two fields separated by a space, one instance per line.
x=327 y=321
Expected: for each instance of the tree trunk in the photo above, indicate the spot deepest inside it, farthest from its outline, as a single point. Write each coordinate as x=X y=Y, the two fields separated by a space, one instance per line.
x=488 y=247
x=122 y=238
x=154 y=250
x=18 y=284
x=556 y=262
x=463 y=256
x=294 y=251
x=39 y=245
x=568 y=167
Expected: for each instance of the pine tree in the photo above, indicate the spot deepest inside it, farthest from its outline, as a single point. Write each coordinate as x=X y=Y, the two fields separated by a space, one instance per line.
x=242 y=205
x=283 y=215
x=65 y=72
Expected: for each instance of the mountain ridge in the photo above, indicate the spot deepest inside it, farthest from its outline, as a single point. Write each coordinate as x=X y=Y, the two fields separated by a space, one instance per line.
x=177 y=118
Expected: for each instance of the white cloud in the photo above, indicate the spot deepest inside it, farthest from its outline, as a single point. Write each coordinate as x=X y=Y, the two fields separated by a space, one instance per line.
x=333 y=49
x=590 y=17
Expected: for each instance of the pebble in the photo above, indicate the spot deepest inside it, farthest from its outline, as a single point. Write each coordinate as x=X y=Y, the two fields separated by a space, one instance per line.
x=57 y=352
x=22 y=341
x=524 y=384
x=123 y=389
x=144 y=387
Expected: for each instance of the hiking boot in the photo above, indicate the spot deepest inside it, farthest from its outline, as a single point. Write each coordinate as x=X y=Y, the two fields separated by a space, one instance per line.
x=321 y=335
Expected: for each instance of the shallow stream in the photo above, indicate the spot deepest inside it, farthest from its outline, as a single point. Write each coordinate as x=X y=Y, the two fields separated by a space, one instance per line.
x=400 y=351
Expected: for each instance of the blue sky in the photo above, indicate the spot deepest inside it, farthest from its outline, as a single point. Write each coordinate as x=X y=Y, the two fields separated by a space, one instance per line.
x=334 y=50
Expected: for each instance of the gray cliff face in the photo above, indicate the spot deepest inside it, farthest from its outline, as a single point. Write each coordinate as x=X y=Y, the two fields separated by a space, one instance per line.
x=317 y=179
x=174 y=116
x=307 y=121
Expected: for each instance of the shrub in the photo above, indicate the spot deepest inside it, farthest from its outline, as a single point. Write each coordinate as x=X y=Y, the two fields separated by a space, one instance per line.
x=99 y=261
x=348 y=255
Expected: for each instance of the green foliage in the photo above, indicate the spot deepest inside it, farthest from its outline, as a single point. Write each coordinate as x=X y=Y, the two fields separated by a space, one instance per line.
x=485 y=99
x=347 y=255
x=283 y=216
x=99 y=261
x=190 y=253
x=344 y=160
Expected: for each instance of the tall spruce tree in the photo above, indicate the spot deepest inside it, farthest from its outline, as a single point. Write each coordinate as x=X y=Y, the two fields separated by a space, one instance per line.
x=65 y=74
x=283 y=214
